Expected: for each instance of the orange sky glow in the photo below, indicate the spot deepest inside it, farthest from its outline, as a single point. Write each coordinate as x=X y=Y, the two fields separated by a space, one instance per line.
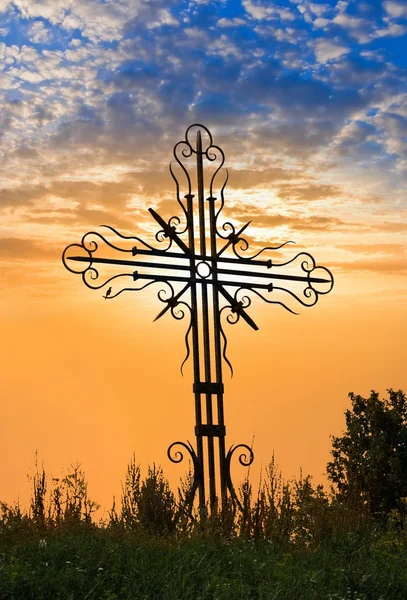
x=314 y=157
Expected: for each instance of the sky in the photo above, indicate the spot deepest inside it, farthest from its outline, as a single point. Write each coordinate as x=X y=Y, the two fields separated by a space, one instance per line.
x=309 y=102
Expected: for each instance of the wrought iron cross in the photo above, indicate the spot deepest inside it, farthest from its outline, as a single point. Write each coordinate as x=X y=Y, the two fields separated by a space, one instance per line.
x=202 y=279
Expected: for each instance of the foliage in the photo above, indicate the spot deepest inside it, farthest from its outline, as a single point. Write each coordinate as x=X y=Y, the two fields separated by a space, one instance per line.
x=369 y=463
x=148 y=503
x=66 y=501
x=293 y=514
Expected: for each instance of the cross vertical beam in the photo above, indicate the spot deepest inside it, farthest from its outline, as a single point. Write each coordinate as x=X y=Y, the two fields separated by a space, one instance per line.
x=205 y=323
x=218 y=354
x=195 y=347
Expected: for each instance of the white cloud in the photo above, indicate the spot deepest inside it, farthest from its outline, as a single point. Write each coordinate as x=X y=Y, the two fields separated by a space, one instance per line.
x=257 y=11
x=341 y=6
x=96 y=20
x=224 y=47
x=320 y=22
x=394 y=126
x=318 y=9
x=312 y=14
x=38 y=33
x=52 y=10
x=375 y=55
x=26 y=75
x=164 y=17
x=349 y=22
x=197 y=34
x=393 y=30
x=326 y=50
x=7 y=82
x=14 y=54
x=281 y=34
x=231 y=22
x=364 y=31
x=396 y=8
x=4 y=5
x=268 y=10
x=72 y=22
x=356 y=132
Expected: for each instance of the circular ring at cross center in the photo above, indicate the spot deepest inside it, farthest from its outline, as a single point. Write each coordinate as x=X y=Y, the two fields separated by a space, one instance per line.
x=203 y=269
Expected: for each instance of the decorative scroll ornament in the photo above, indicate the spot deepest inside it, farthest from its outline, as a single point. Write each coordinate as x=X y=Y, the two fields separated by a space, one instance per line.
x=246 y=458
x=177 y=457
x=206 y=277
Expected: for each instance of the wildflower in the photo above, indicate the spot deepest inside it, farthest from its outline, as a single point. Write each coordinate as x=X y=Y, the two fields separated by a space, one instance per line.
x=42 y=543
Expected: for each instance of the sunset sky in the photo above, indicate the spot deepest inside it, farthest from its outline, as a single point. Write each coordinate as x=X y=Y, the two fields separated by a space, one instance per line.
x=309 y=102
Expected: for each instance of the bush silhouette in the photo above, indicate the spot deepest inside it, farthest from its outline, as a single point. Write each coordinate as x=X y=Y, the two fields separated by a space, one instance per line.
x=370 y=459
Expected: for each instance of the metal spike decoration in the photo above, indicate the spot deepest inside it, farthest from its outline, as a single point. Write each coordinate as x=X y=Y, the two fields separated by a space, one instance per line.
x=199 y=279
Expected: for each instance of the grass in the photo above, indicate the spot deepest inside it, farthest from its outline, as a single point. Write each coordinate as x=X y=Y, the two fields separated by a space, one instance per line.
x=292 y=542
x=89 y=562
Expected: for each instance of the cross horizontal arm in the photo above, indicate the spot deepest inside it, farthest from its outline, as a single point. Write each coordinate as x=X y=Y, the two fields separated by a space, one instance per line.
x=135 y=263
x=165 y=278
x=128 y=263
x=274 y=276
x=240 y=260
x=137 y=275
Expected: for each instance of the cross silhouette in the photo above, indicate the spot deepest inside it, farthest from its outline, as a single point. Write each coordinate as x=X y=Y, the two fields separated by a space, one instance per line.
x=202 y=280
